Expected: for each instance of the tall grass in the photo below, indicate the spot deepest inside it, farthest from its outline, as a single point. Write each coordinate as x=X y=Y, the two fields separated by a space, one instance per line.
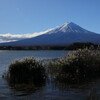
x=77 y=66
x=25 y=71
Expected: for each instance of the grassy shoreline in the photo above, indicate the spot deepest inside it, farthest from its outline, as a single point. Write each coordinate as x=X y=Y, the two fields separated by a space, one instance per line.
x=76 y=67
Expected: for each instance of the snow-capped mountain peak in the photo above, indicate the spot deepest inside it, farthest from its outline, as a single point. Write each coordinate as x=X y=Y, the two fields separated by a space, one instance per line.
x=66 y=27
x=63 y=35
x=69 y=27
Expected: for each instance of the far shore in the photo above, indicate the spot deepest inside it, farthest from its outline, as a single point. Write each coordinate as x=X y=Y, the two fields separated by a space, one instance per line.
x=73 y=46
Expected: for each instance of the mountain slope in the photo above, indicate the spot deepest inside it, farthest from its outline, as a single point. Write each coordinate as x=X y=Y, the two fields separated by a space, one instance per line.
x=61 y=36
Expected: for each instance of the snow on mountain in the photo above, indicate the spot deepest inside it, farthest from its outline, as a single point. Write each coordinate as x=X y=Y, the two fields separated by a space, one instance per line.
x=63 y=35
x=68 y=27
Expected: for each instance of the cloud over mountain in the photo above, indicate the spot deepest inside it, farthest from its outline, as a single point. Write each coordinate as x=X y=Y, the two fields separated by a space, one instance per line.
x=8 y=37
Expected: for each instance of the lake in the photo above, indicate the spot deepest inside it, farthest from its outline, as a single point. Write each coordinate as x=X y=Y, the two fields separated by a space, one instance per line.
x=49 y=91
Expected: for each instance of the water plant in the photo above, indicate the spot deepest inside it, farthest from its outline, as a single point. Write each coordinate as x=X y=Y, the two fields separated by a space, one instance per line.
x=77 y=66
x=25 y=71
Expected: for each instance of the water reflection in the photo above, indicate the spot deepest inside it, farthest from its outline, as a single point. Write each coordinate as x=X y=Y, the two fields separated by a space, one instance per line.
x=26 y=90
x=87 y=91
x=54 y=90
x=51 y=90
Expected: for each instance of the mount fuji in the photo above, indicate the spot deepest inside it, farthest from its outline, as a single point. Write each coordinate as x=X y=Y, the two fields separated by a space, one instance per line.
x=63 y=35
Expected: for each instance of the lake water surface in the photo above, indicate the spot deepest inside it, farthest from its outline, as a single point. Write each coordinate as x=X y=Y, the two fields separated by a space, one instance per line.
x=49 y=91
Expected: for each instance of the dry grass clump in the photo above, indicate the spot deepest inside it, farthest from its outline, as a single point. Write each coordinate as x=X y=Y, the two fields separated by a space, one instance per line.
x=77 y=66
x=25 y=71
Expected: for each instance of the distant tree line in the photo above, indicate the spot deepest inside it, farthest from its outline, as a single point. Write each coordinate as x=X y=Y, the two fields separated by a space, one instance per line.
x=73 y=46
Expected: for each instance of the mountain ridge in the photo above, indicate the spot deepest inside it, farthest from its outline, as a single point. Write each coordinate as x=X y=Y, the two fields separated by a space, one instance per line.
x=65 y=34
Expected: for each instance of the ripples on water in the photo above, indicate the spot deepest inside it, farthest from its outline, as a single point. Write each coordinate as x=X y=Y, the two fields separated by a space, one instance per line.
x=49 y=91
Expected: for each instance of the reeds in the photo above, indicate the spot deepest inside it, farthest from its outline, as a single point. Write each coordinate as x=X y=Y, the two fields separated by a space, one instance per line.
x=25 y=71
x=77 y=66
